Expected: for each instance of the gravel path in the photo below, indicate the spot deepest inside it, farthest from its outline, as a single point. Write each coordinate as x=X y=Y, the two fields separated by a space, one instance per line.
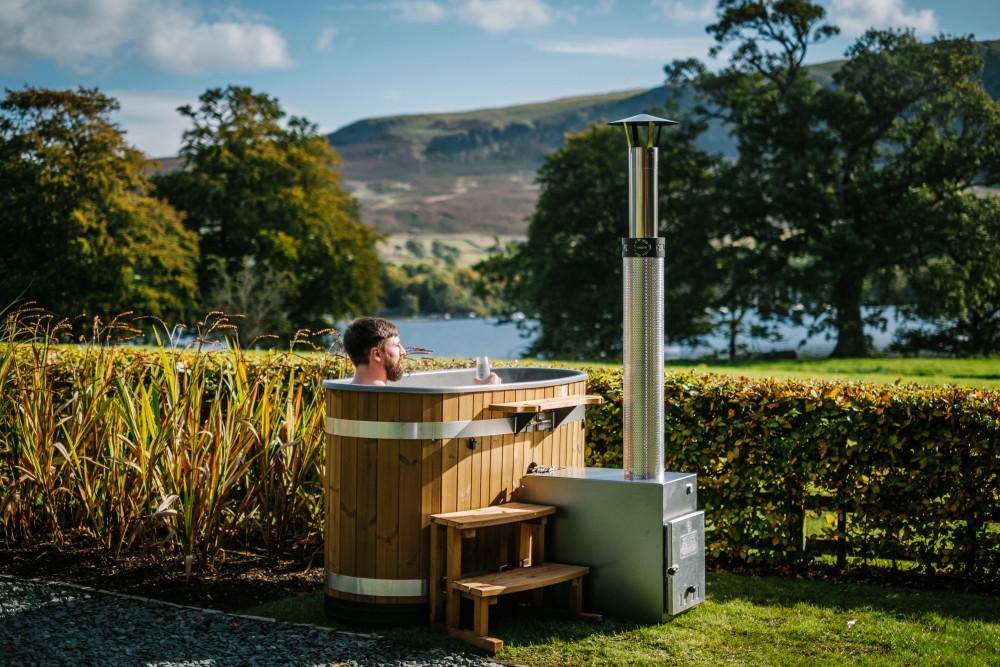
x=51 y=624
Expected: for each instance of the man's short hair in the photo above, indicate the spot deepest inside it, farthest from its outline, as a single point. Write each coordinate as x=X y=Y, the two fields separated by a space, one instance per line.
x=365 y=333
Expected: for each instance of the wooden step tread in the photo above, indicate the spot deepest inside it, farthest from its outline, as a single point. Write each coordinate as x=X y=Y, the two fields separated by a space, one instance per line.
x=495 y=515
x=520 y=579
x=543 y=404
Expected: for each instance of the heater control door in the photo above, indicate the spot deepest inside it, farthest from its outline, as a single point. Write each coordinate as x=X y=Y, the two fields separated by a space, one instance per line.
x=684 y=562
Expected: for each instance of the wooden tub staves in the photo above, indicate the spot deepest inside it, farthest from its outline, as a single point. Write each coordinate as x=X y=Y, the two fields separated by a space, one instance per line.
x=433 y=442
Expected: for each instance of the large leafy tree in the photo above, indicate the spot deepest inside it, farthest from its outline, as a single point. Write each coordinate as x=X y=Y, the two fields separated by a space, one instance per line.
x=265 y=194
x=567 y=276
x=82 y=231
x=833 y=180
x=958 y=291
x=914 y=130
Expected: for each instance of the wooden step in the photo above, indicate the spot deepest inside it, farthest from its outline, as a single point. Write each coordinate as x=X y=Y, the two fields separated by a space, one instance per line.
x=495 y=515
x=519 y=579
x=545 y=404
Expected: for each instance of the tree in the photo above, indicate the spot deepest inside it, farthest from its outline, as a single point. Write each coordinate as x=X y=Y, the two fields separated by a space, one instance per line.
x=914 y=129
x=258 y=192
x=257 y=296
x=960 y=288
x=567 y=276
x=82 y=231
x=446 y=253
x=416 y=248
x=830 y=179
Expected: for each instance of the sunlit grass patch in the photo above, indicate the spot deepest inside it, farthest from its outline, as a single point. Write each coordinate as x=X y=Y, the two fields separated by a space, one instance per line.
x=745 y=620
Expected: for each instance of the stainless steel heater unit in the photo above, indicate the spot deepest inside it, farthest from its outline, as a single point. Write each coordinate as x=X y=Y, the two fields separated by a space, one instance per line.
x=639 y=528
x=644 y=540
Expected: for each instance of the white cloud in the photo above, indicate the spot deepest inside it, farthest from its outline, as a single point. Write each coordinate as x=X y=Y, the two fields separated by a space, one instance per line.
x=417 y=11
x=658 y=49
x=504 y=15
x=489 y=15
x=189 y=47
x=324 y=42
x=687 y=11
x=165 y=35
x=856 y=16
x=69 y=33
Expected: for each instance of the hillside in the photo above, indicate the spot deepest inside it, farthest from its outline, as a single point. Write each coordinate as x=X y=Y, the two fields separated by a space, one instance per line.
x=473 y=172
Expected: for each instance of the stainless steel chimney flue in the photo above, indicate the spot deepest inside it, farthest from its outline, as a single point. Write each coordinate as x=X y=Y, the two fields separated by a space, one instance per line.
x=642 y=258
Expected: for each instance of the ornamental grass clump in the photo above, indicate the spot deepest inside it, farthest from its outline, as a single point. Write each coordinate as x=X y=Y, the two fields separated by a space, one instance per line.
x=175 y=453
x=29 y=424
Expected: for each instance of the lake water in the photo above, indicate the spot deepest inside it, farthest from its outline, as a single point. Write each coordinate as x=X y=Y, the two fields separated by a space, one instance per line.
x=472 y=337
x=793 y=338
x=465 y=337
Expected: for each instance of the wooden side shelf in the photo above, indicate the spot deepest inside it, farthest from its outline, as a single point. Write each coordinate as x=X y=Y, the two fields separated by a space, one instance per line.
x=495 y=515
x=447 y=586
x=545 y=404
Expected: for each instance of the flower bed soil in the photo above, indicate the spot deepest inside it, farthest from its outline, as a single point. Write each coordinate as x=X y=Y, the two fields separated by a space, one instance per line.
x=242 y=581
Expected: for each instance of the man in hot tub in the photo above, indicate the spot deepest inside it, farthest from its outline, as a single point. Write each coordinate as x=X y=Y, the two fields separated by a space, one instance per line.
x=373 y=345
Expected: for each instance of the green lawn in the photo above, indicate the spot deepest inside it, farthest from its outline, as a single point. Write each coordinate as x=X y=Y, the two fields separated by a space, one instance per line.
x=745 y=620
x=983 y=373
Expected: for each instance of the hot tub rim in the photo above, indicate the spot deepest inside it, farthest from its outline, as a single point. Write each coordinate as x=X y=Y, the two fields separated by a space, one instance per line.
x=562 y=376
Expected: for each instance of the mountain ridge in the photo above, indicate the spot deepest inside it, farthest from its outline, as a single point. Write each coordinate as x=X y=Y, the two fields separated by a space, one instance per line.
x=474 y=171
x=465 y=171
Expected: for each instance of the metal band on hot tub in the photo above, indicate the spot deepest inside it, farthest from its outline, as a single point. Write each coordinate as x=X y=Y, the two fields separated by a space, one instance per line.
x=392 y=588
x=473 y=428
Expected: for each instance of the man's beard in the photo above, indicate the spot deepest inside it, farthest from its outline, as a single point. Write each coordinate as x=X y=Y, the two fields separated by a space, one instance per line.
x=394 y=370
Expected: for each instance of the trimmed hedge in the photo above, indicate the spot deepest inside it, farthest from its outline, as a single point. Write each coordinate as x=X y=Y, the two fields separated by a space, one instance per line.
x=914 y=471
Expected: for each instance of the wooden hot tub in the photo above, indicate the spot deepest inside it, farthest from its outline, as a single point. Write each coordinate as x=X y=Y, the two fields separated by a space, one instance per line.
x=433 y=442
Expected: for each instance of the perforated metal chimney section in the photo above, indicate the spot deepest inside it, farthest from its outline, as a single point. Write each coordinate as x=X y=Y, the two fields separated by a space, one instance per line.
x=642 y=367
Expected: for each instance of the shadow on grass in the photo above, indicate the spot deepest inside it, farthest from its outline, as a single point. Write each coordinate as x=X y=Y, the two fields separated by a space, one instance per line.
x=509 y=618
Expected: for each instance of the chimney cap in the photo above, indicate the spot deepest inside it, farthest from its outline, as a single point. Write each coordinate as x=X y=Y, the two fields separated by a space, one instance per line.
x=644 y=119
x=651 y=126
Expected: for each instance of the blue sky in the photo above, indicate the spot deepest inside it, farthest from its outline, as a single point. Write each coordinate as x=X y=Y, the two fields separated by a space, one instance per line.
x=337 y=62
